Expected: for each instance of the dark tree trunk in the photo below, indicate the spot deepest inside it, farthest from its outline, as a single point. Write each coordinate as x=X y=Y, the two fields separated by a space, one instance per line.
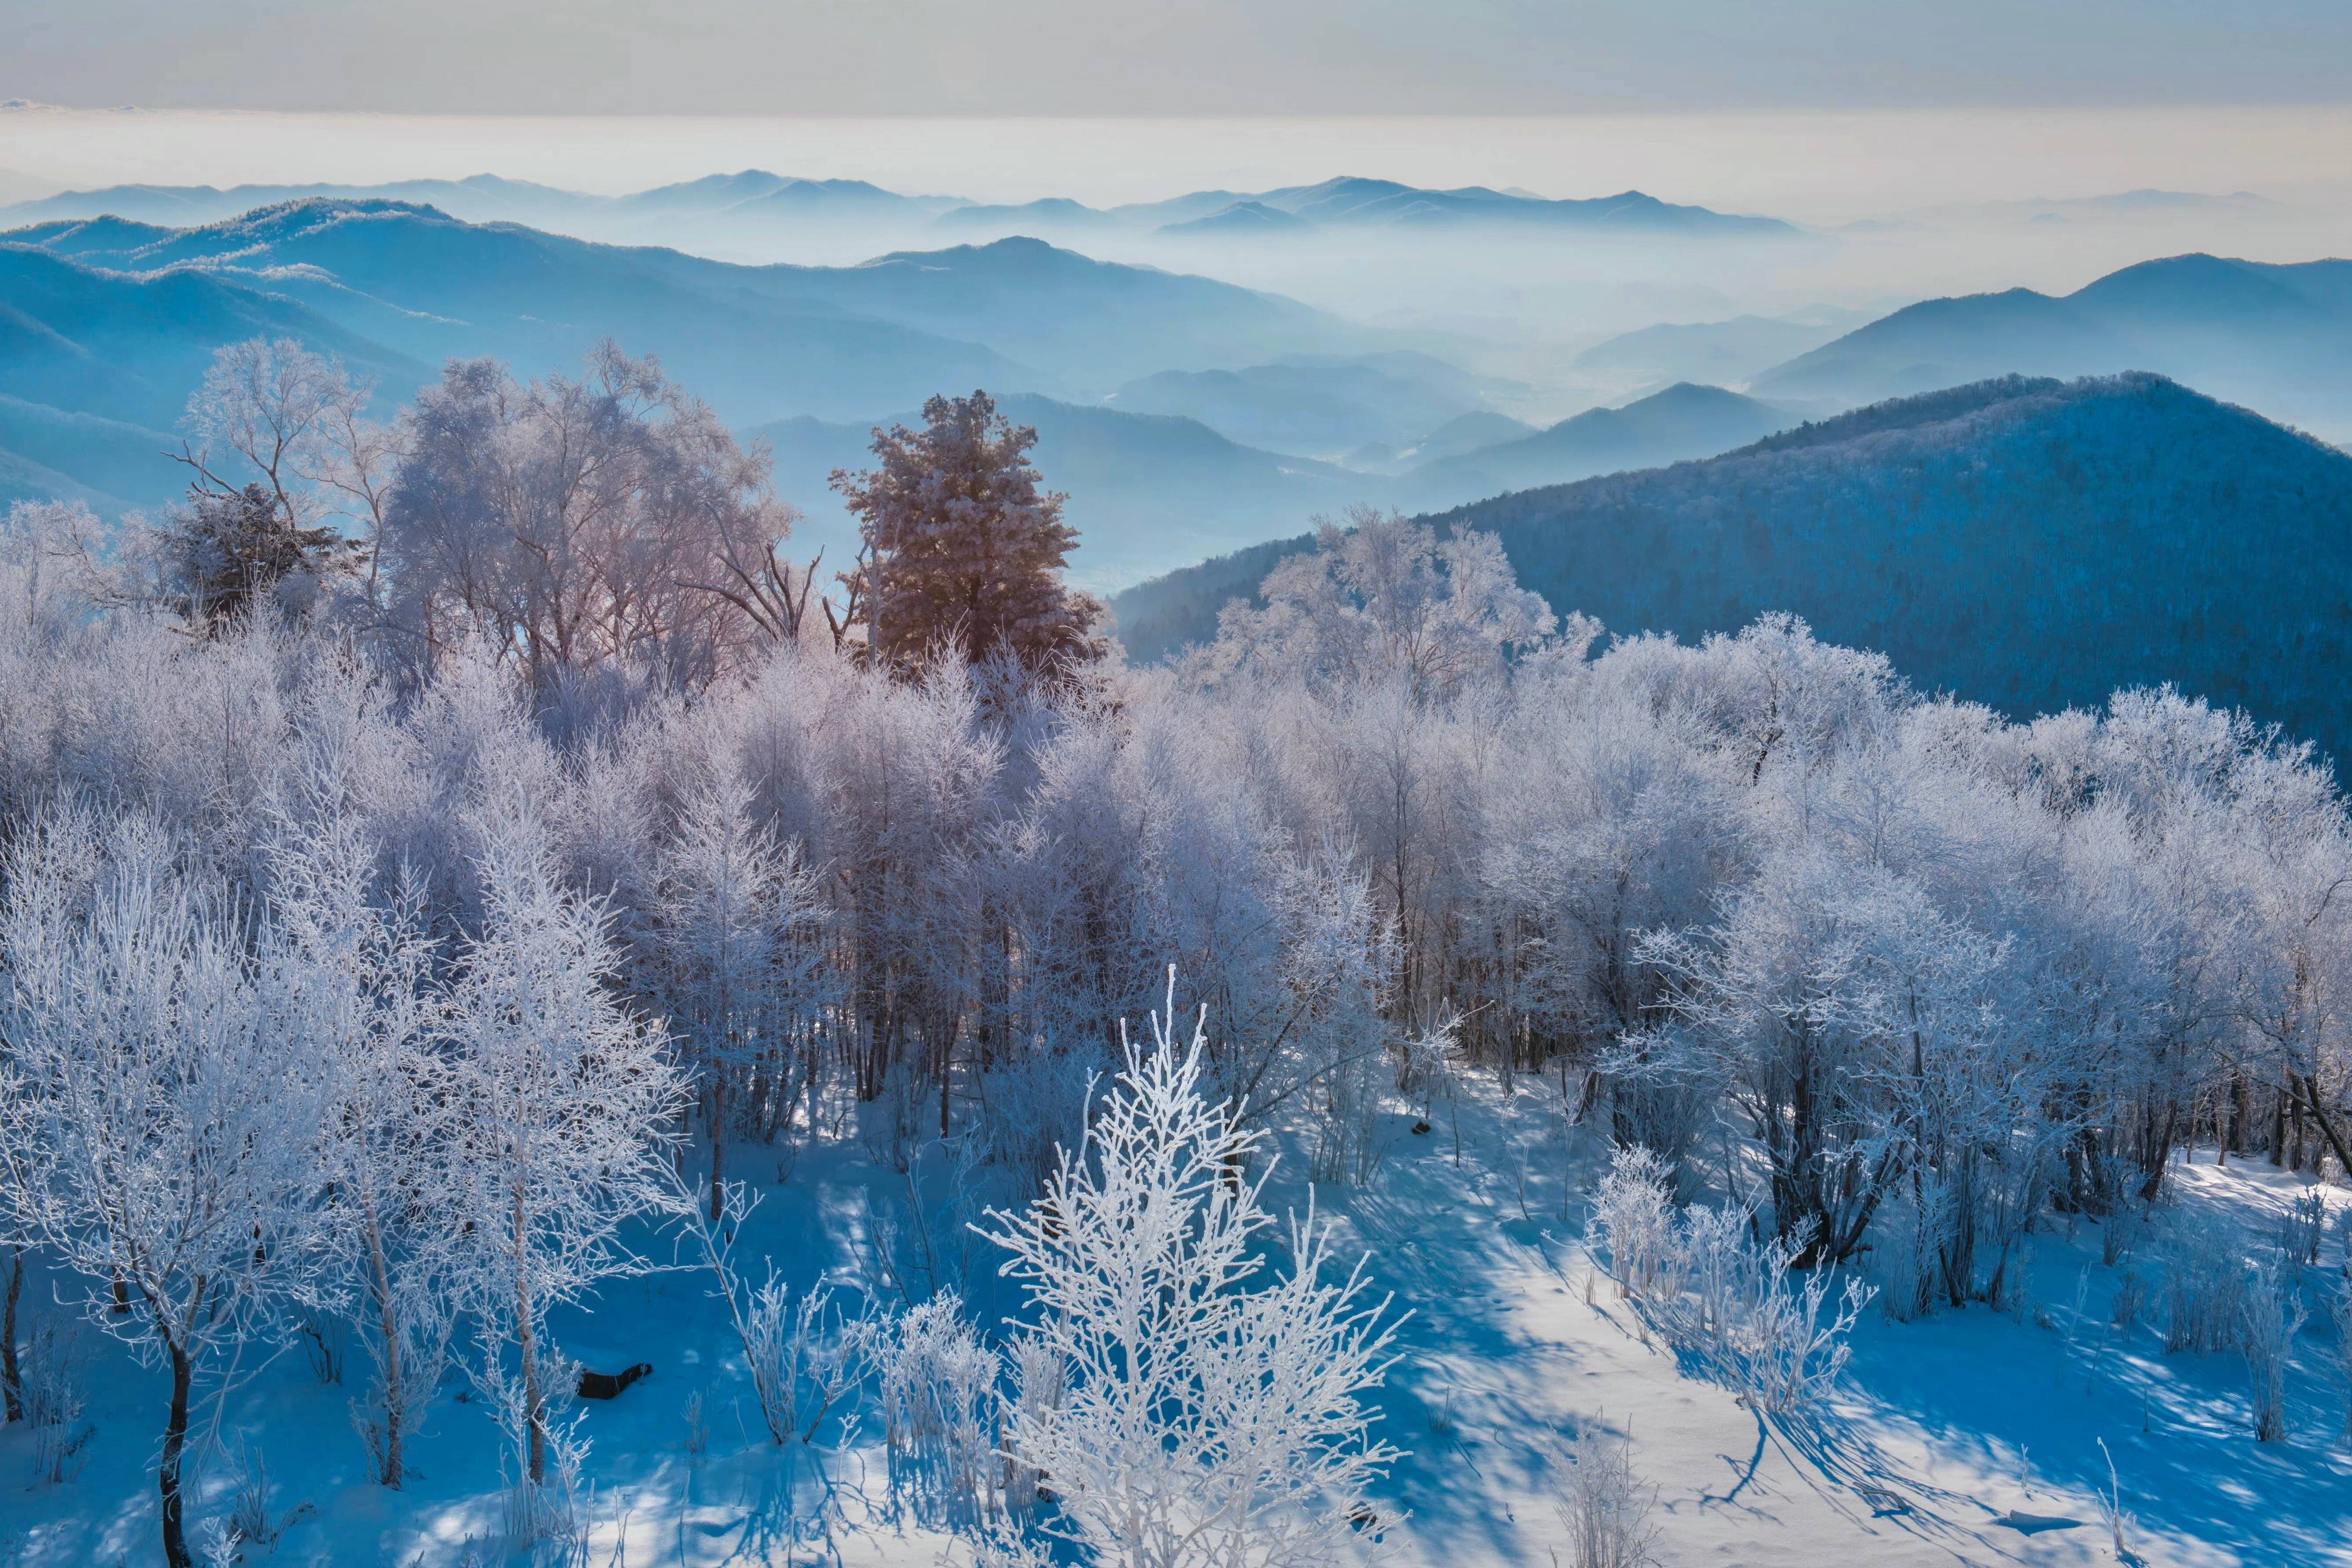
x=12 y=1383
x=167 y=1474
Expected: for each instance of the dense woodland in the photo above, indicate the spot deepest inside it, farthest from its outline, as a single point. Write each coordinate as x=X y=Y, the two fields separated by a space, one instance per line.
x=437 y=845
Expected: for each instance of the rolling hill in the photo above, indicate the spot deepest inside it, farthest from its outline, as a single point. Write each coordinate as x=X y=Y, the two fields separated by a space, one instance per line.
x=2277 y=336
x=2028 y=544
x=96 y=366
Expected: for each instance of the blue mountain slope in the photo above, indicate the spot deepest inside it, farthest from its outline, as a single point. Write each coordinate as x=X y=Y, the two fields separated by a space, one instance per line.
x=431 y=286
x=128 y=346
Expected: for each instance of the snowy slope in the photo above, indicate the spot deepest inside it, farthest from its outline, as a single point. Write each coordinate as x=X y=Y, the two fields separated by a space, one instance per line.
x=1968 y=1438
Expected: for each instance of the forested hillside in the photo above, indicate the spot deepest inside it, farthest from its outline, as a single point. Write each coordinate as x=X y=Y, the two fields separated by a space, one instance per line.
x=2031 y=544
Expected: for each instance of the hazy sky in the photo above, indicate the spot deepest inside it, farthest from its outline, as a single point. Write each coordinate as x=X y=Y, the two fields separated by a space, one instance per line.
x=1167 y=57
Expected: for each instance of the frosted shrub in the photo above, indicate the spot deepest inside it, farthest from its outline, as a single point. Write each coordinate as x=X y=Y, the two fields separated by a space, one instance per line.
x=805 y=1359
x=2204 y=1290
x=1721 y=1263
x=939 y=1398
x=1633 y=1212
x=1781 y=1344
x=2270 y=1314
x=1605 y=1510
x=2303 y=1227
x=806 y=1362
x=1784 y=1356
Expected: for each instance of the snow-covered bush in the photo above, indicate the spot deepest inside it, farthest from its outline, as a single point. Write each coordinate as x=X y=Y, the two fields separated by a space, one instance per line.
x=2303 y=1227
x=1198 y=1413
x=805 y=1359
x=1633 y=1216
x=2270 y=1314
x=2204 y=1290
x=1784 y=1355
x=1607 y=1511
x=938 y=1391
x=1756 y=1323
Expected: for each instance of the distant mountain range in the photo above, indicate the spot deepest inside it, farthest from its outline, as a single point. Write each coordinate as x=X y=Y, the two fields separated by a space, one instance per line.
x=756 y=342
x=754 y=204
x=2277 y=337
x=1720 y=353
x=108 y=325
x=2025 y=542
x=1353 y=202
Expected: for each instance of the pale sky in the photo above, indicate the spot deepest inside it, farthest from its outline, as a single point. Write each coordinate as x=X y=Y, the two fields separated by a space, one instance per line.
x=1168 y=56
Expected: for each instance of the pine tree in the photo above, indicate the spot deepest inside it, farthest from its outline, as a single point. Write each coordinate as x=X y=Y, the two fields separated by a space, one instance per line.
x=963 y=548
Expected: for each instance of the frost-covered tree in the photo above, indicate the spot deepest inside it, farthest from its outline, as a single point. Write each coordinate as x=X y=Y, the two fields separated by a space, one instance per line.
x=1184 y=1408
x=160 y=1129
x=738 y=971
x=1384 y=597
x=346 y=983
x=963 y=548
x=572 y=523
x=560 y=1098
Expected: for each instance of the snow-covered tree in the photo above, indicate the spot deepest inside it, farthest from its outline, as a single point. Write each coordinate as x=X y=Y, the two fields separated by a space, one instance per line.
x=739 y=973
x=963 y=546
x=1186 y=1406
x=161 y=1131
x=560 y=1098
x=1381 y=597
x=345 y=982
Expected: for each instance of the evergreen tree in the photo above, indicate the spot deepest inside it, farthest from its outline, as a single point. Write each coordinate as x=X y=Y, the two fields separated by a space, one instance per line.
x=963 y=548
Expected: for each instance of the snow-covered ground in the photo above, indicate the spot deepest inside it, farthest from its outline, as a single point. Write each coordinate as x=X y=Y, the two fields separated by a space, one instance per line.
x=1970 y=1436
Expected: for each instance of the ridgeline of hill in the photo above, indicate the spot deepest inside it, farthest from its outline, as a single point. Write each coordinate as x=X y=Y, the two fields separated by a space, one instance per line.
x=2029 y=543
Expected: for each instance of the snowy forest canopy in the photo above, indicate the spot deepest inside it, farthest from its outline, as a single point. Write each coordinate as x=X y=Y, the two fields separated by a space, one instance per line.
x=528 y=831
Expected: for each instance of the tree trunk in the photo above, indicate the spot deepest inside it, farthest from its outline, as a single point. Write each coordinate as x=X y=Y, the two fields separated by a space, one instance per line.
x=167 y=1473
x=534 y=1404
x=388 y=1324
x=718 y=1133
x=12 y=1383
x=2326 y=1126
